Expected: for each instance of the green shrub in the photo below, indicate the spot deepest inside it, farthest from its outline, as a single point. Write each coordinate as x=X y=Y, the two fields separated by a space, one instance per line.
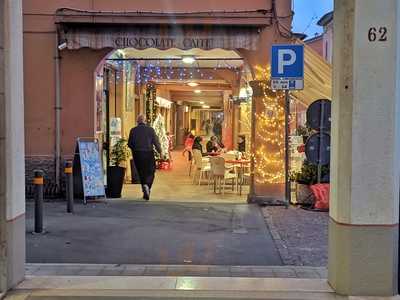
x=119 y=153
x=309 y=173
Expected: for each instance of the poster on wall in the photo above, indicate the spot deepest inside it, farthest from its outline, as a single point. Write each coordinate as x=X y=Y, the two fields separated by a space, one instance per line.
x=91 y=168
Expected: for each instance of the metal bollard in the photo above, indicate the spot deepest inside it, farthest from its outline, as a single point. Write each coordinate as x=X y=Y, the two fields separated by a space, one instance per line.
x=69 y=186
x=38 y=182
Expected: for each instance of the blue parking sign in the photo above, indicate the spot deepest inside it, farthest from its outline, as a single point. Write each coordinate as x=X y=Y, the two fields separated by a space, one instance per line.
x=287 y=66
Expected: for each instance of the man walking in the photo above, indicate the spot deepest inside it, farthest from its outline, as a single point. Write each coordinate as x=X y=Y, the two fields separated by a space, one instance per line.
x=142 y=141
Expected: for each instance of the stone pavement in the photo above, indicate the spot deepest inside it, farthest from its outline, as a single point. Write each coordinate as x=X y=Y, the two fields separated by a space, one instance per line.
x=170 y=288
x=136 y=232
x=175 y=270
x=301 y=236
x=176 y=185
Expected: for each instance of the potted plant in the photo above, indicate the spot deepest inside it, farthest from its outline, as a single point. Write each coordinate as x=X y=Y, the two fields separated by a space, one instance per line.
x=307 y=176
x=304 y=131
x=116 y=172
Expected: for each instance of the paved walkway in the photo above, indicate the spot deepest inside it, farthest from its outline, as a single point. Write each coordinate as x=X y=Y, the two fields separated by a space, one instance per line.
x=132 y=232
x=175 y=185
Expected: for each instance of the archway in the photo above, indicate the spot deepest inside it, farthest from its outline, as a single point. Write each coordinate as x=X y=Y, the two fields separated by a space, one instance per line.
x=190 y=97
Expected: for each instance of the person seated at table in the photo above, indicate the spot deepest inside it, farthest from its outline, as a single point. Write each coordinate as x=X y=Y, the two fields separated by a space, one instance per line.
x=214 y=146
x=197 y=145
x=242 y=143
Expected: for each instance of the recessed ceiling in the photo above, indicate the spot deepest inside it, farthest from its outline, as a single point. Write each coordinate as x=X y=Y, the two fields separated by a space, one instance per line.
x=212 y=98
x=218 y=58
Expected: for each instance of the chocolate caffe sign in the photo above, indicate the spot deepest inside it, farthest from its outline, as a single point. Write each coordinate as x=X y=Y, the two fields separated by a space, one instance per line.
x=149 y=37
x=163 y=42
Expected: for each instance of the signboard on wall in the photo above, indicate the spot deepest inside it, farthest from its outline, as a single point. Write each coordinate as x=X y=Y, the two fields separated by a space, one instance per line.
x=161 y=37
x=91 y=168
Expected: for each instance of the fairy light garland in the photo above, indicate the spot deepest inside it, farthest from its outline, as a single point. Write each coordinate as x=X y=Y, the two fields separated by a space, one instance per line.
x=270 y=127
x=153 y=70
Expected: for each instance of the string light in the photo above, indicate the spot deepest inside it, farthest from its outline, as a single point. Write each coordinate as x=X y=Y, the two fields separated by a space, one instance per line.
x=152 y=71
x=269 y=153
x=160 y=69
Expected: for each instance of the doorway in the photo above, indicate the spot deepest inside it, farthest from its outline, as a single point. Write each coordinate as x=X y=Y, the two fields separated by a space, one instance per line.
x=184 y=95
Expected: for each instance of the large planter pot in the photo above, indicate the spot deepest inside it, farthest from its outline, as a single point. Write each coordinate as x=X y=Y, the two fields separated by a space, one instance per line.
x=304 y=195
x=115 y=181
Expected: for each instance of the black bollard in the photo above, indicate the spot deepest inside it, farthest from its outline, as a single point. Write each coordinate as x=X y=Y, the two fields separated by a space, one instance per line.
x=69 y=186
x=38 y=182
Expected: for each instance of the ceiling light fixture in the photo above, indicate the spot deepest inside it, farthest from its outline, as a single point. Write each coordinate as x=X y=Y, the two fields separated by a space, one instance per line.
x=192 y=84
x=206 y=106
x=188 y=59
x=201 y=102
x=197 y=91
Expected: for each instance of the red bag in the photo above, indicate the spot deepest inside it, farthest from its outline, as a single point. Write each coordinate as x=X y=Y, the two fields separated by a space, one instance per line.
x=321 y=193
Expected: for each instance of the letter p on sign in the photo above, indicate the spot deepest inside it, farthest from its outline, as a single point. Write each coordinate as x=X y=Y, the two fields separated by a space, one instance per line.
x=286 y=57
x=287 y=61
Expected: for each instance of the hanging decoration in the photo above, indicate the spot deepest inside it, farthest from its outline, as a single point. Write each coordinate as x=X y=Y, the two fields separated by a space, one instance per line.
x=270 y=133
x=151 y=104
x=168 y=69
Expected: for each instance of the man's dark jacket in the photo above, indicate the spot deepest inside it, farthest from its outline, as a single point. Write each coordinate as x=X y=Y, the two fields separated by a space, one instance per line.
x=143 y=138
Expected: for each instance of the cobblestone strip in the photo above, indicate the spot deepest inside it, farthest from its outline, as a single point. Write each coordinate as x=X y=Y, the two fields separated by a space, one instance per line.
x=175 y=270
x=287 y=256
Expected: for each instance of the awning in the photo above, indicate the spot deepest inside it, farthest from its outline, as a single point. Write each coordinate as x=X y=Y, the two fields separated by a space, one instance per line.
x=141 y=30
x=317 y=78
x=159 y=36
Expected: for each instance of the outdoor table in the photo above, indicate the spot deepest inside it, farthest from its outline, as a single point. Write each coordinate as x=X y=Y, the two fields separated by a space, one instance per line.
x=212 y=154
x=238 y=161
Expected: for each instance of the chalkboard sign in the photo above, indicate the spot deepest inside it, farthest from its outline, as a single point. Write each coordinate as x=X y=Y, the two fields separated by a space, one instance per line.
x=91 y=168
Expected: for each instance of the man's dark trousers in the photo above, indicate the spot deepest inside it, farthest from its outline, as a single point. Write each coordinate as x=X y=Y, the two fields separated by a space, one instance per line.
x=146 y=166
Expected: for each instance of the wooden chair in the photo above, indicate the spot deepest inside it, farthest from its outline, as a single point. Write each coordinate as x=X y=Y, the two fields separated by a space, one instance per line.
x=202 y=166
x=245 y=178
x=220 y=173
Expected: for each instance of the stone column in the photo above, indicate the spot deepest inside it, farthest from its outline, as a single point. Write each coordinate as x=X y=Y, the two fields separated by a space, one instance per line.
x=227 y=125
x=180 y=126
x=235 y=125
x=364 y=215
x=262 y=190
x=12 y=169
x=3 y=235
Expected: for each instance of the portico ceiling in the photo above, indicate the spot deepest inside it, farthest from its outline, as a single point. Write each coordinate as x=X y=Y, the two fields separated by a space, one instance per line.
x=214 y=58
x=206 y=98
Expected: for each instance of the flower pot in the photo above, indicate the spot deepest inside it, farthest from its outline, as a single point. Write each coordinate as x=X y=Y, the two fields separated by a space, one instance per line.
x=115 y=181
x=304 y=195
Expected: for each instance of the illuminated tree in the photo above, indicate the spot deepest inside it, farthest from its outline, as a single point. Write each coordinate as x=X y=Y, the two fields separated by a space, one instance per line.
x=270 y=133
x=159 y=128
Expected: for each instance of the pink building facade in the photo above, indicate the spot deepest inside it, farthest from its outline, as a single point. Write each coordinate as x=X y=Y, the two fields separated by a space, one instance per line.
x=60 y=82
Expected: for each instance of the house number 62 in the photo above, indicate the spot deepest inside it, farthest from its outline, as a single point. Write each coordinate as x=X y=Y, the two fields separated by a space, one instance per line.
x=377 y=34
